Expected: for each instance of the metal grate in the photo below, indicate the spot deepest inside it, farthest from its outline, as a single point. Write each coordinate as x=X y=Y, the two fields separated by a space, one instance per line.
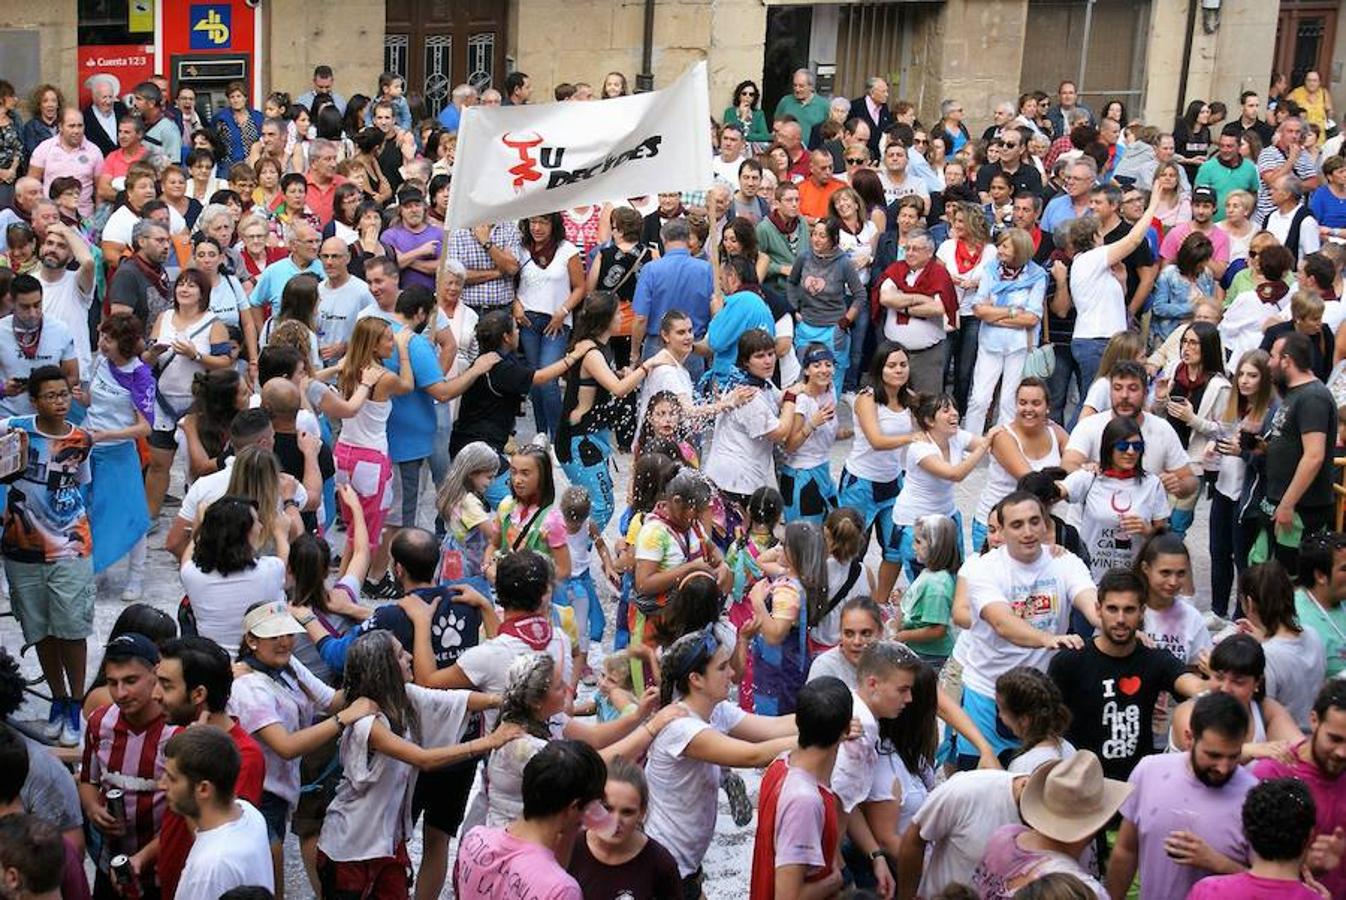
x=869 y=42
x=395 y=47
x=1105 y=55
x=438 y=71
x=481 y=60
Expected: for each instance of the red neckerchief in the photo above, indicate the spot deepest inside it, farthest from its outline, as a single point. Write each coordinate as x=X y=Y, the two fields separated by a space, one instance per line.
x=155 y=275
x=534 y=630
x=1120 y=474
x=782 y=226
x=27 y=339
x=1036 y=235
x=965 y=257
x=1183 y=378
x=1272 y=291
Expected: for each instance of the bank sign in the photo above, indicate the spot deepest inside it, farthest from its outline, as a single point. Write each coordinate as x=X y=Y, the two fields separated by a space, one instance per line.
x=211 y=26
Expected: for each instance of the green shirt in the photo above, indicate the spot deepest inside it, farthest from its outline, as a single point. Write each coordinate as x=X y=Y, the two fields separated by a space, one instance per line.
x=809 y=115
x=1223 y=179
x=1329 y=624
x=778 y=249
x=929 y=601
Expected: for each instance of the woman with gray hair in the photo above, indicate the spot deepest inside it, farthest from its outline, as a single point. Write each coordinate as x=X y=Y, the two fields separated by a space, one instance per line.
x=534 y=700
x=455 y=337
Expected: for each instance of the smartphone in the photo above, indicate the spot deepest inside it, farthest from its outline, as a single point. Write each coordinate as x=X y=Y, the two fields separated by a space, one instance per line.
x=1177 y=392
x=1248 y=441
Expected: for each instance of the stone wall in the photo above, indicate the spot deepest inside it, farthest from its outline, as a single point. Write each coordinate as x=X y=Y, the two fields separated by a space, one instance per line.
x=347 y=35
x=1235 y=58
x=582 y=40
x=969 y=49
x=54 y=21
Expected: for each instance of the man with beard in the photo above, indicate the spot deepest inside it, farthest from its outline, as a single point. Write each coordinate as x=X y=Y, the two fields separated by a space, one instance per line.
x=1183 y=820
x=195 y=680
x=1299 y=498
x=1202 y=221
x=67 y=293
x=1112 y=684
x=413 y=242
x=1319 y=761
x=140 y=286
x=230 y=848
x=1164 y=453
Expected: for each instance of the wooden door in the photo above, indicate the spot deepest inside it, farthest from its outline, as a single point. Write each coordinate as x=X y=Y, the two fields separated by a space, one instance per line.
x=1305 y=35
x=436 y=44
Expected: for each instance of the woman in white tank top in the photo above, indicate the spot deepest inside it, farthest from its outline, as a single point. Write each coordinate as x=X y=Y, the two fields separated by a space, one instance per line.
x=361 y=455
x=1030 y=443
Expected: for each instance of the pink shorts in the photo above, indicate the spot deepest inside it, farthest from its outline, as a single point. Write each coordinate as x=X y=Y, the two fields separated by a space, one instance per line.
x=370 y=474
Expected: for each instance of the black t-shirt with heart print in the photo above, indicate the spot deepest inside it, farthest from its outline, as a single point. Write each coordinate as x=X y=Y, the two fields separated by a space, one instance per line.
x=1112 y=701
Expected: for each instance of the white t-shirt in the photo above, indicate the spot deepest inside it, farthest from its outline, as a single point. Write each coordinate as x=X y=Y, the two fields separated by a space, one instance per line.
x=220 y=601
x=1163 y=451
x=947 y=254
x=817 y=447
x=338 y=309
x=831 y=662
x=227 y=300
x=1025 y=763
x=684 y=791
x=924 y=494
x=209 y=488
x=1241 y=325
x=1180 y=629
x=258 y=701
x=1278 y=223
x=236 y=854
x=65 y=301
x=1099 y=395
x=120 y=223
x=487 y=664
x=1041 y=593
x=856 y=777
x=1100 y=301
x=957 y=820
x=1105 y=500
x=663 y=378
x=789 y=363
x=741 y=458
x=918 y=333
x=879 y=466
x=546 y=290
x=54 y=346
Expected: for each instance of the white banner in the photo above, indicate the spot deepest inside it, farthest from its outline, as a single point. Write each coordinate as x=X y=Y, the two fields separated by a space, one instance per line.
x=519 y=161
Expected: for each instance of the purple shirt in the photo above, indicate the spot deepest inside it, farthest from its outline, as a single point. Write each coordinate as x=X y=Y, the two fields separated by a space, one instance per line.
x=1005 y=867
x=56 y=160
x=1247 y=886
x=400 y=240
x=1167 y=797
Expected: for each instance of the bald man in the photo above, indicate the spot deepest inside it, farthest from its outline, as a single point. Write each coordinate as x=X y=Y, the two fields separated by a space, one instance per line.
x=27 y=193
x=69 y=153
x=341 y=297
x=818 y=188
x=302 y=454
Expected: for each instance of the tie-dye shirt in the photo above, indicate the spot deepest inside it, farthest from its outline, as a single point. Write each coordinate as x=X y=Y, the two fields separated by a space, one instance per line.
x=45 y=517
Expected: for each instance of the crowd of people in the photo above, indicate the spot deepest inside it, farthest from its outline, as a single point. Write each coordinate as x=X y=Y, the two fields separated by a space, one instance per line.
x=397 y=615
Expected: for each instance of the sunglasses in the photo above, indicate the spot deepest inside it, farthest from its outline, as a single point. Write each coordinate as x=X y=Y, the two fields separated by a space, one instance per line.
x=855 y=160
x=1134 y=444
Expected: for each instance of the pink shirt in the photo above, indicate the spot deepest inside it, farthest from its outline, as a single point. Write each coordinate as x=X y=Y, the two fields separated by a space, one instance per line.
x=1005 y=866
x=1247 y=886
x=1329 y=799
x=495 y=865
x=1173 y=238
x=57 y=160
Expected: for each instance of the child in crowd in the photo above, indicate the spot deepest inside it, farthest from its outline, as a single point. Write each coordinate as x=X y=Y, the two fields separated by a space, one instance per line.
x=847 y=576
x=469 y=529
x=664 y=424
x=783 y=608
x=650 y=472
x=748 y=559
x=578 y=591
x=925 y=623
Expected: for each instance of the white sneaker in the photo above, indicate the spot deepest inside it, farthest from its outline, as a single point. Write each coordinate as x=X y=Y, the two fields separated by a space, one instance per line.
x=133 y=591
x=70 y=728
x=55 y=720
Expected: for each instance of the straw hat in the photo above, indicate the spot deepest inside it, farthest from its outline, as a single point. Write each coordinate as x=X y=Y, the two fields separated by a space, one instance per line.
x=1070 y=800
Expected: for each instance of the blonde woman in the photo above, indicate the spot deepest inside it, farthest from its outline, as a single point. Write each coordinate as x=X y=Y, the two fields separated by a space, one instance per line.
x=361 y=453
x=1238 y=206
x=1008 y=304
x=1174 y=206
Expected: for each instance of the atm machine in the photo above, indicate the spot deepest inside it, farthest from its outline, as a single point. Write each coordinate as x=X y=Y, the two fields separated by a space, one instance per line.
x=209 y=75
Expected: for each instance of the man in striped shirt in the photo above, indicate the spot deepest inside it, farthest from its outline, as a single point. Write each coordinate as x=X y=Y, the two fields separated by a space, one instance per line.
x=124 y=750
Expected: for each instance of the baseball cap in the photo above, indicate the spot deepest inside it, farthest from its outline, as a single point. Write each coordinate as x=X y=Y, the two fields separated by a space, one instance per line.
x=271 y=620
x=410 y=195
x=132 y=645
x=1203 y=194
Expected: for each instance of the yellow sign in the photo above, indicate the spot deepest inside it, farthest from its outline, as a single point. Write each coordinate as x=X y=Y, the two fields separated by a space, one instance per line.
x=215 y=28
x=140 y=16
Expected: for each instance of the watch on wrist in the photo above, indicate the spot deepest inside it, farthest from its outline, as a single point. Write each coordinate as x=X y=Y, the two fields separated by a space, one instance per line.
x=876 y=853
x=487 y=246
x=290 y=503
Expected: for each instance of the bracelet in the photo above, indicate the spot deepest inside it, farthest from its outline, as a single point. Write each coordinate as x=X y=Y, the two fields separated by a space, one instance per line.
x=341 y=726
x=648 y=729
x=307 y=619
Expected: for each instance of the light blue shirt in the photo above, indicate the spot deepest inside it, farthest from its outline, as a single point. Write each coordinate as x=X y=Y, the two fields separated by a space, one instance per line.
x=412 y=417
x=1060 y=209
x=741 y=313
x=273 y=279
x=677 y=280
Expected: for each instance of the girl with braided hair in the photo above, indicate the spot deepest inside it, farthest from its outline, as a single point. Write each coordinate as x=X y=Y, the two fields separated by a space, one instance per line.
x=1031 y=705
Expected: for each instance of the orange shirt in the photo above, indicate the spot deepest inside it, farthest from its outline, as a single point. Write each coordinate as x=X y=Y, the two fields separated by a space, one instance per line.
x=813 y=199
x=320 y=199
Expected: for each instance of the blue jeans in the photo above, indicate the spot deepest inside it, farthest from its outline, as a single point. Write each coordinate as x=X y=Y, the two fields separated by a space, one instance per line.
x=409 y=475
x=541 y=351
x=588 y=468
x=1058 y=386
x=1088 y=353
x=968 y=329
x=439 y=455
x=856 y=369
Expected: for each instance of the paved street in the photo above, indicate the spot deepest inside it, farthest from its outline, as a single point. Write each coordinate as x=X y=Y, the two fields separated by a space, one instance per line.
x=727 y=863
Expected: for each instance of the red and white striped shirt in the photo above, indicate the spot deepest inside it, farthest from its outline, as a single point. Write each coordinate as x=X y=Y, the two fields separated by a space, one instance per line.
x=115 y=756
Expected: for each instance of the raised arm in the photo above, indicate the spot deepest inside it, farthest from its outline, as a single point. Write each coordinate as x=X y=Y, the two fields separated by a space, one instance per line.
x=1127 y=245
